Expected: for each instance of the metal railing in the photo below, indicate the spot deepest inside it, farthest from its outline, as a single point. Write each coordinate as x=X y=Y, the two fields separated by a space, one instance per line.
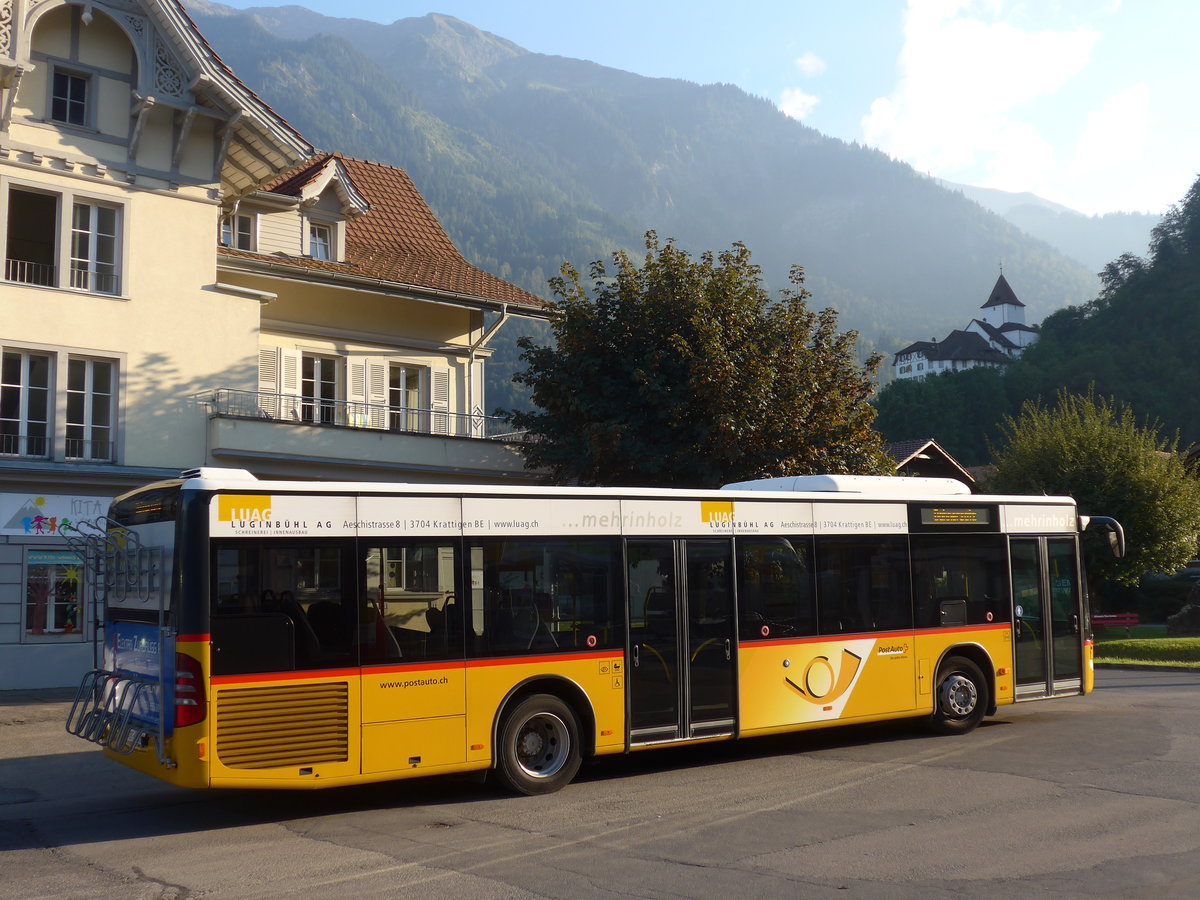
x=97 y=282
x=91 y=451
x=354 y=414
x=26 y=272
x=45 y=275
x=39 y=446
x=28 y=445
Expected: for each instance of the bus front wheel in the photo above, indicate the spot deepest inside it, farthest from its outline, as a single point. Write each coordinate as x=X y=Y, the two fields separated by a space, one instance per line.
x=539 y=748
x=962 y=697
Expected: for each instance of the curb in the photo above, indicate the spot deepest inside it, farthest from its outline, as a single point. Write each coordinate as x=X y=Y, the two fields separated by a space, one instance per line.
x=1149 y=667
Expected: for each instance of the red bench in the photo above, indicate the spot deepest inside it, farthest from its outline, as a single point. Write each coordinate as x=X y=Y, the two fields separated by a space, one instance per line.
x=1115 y=620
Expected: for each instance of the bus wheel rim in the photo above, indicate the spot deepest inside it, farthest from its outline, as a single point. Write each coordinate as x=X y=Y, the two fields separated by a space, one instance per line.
x=543 y=745
x=959 y=695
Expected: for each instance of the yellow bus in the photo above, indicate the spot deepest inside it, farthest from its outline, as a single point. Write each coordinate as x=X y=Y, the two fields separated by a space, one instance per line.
x=301 y=635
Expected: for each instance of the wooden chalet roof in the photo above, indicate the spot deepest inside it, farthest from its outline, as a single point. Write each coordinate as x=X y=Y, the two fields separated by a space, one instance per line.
x=397 y=240
x=926 y=458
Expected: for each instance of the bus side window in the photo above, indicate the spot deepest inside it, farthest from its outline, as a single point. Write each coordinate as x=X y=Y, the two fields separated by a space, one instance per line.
x=281 y=605
x=544 y=596
x=863 y=584
x=411 y=611
x=959 y=579
x=774 y=587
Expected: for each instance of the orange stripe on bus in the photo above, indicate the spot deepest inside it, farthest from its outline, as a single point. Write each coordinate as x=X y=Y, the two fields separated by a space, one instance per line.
x=872 y=635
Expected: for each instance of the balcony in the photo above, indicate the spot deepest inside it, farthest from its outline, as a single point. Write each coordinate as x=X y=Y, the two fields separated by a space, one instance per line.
x=285 y=435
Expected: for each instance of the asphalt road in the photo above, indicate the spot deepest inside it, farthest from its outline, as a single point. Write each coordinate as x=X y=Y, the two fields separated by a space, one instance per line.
x=1089 y=797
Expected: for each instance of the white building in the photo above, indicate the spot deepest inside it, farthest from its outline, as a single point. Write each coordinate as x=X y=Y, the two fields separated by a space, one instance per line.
x=999 y=336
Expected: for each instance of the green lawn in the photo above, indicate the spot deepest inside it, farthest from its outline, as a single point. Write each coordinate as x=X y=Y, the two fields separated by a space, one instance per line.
x=1149 y=645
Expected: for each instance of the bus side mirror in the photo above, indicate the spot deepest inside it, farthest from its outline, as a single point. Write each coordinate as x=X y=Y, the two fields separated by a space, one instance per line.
x=1116 y=534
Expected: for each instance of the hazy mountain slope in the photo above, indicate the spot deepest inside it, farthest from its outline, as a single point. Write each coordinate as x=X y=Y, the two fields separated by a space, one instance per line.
x=1092 y=240
x=530 y=160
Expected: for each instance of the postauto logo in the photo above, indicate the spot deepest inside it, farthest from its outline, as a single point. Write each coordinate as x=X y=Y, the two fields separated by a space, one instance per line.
x=822 y=683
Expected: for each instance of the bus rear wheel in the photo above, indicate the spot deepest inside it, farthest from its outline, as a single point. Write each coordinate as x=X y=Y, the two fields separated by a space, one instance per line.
x=539 y=750
x=962 y=697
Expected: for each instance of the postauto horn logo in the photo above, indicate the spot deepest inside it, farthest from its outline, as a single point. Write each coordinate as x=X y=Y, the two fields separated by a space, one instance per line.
x=820 y=683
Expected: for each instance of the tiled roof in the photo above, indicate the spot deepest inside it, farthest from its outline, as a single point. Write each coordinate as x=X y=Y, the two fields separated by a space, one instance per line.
x=918 y=347
x=398 y=239
x=961 y=345
x=1001 y=294
x=966 y=345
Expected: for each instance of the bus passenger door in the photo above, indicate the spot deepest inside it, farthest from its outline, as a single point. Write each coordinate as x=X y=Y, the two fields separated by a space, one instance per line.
x=681 y=639
x=1047 y=617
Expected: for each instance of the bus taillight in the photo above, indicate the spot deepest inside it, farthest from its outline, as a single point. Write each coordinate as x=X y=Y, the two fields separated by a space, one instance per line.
x=190 y=703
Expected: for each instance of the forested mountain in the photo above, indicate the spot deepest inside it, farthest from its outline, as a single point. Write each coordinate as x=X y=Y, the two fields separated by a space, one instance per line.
x=1136 y=342
x=530 y=160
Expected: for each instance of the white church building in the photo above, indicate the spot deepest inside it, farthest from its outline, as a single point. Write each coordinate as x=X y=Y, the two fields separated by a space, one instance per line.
x=997 y=337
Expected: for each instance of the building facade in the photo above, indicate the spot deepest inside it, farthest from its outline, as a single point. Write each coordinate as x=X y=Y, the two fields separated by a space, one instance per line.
x=188 y=282
x=997 y=337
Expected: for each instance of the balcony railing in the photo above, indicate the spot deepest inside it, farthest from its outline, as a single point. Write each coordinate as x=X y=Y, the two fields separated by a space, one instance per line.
x=31 y=446
x=28 y=445
x=353 y=414
x=89 y=451
x=97 y=282
x=26 y=272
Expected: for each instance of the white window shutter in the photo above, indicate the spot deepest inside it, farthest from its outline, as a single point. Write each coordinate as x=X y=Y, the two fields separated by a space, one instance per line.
x=356 y=391
x=377 y=393
x=289 y=384
x=439 y=400
x=268 y=381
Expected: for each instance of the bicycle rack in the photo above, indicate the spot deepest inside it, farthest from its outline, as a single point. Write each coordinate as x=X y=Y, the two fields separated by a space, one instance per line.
x=108 y=704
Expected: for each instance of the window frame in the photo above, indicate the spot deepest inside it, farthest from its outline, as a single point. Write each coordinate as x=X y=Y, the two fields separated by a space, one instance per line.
x=76 y=75
x=57 y=440
x=89 y=424
x=234 y=237
x=65 y=233
x=317 y=408
x=74 y=624
x=321 y=249
x=95 y=239
x=21 y=448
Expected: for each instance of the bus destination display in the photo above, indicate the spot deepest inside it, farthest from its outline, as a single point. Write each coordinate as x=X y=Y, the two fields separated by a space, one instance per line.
x=956 y=515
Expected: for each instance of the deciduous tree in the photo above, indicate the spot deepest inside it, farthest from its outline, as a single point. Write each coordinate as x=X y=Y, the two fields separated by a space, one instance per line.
x=684 y=372
x=1095 y=451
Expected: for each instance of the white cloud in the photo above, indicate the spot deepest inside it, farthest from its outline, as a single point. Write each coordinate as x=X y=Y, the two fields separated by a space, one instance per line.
x=797 y=104
x=1115 y=133
x=810 y=64
x=964 y=77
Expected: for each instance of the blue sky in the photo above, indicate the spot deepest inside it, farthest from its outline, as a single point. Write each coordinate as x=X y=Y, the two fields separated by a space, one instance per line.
x=1090 y=103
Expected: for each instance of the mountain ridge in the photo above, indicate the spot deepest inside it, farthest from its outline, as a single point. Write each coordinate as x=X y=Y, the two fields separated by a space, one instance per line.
x=531 y=160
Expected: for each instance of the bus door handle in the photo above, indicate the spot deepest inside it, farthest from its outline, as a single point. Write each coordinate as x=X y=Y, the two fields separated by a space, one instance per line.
x=1074 y=624
x=728 y=650
x=636 y=657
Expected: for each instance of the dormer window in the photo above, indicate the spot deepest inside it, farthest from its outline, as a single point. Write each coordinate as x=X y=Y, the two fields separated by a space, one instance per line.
x=237 y=232
x=320 y=241
x=68 y=98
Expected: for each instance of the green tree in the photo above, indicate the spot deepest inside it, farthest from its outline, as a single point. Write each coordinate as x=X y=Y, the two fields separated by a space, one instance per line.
x=682 y=372
x=1095 y=451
